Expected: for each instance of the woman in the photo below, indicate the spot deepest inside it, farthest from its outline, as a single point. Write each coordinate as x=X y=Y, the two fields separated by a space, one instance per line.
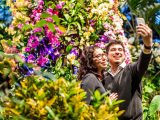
x=93 y=62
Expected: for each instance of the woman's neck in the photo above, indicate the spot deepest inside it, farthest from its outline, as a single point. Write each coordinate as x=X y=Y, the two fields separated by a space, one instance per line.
x=99 y=74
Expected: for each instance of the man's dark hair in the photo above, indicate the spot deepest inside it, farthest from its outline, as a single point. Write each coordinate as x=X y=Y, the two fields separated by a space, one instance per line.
x=114 y=42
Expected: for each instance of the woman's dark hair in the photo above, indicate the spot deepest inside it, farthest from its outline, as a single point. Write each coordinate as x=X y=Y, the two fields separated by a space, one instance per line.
x=86 y=62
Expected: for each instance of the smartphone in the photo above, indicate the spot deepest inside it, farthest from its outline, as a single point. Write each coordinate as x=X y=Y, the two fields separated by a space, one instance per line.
x=140 y=21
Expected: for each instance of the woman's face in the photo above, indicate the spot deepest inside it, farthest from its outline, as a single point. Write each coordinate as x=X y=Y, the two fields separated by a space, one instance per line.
x=99 y=59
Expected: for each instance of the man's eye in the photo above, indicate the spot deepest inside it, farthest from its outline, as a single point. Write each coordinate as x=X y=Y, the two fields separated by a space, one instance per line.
x=113 y=49
x=120 y=49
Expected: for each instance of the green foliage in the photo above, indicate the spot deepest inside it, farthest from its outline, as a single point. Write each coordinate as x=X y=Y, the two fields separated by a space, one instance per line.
x=42 y=99
x=8 y=66
x=150 y=92
x=154 y=105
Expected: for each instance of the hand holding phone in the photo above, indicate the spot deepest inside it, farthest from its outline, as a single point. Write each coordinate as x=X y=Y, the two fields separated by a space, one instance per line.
x=140 y=21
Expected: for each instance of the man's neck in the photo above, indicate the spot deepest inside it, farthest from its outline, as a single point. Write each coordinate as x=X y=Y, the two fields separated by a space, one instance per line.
x=114 y=68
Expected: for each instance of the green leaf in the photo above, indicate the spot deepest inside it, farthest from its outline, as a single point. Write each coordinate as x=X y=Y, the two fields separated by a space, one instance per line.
x=155 y=105
x=97 y=95
x=27 y=27
x=50 y=111
x=77 y=25
x=51 y=26
x=18 y=58
x=56 y=19
x=1 y=36
x=67 y=17
x=58 y=64
x=45 y=15
x=6 y=72
x=69 y=48
x=76 y=63
x=40 y=23
x=117 y=102
x=50 y=3
x=81 y=18
x=148 y=89
x=49 y=76
x=73 y=13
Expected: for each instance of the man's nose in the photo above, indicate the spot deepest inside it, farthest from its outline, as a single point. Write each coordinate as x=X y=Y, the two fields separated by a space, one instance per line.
x=116 y=52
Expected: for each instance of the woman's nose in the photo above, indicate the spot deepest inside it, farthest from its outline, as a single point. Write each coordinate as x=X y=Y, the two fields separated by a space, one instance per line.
x=104 y=58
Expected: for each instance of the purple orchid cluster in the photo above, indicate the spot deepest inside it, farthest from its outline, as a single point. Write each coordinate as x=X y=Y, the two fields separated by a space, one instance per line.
x=43 y=51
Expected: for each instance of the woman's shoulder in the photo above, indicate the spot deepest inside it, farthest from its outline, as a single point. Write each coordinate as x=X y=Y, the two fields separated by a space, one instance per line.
x=89 y=77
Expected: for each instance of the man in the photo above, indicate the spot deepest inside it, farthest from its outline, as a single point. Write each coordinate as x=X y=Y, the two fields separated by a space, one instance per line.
x=126 y=79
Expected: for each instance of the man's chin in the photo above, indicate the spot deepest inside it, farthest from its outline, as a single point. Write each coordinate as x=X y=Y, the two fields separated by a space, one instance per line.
x=118 y=62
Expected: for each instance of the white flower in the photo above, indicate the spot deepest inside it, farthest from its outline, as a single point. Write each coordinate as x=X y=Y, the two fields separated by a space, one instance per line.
x=131 y=40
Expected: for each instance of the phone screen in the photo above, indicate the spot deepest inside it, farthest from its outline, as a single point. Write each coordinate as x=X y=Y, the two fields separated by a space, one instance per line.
x=140 y=21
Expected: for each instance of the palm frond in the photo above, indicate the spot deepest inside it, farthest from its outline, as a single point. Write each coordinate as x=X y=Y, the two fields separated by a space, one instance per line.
x=146 y=9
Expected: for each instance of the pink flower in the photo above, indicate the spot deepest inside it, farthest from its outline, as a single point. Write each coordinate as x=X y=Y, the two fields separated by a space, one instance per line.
x=35 y=44
x=37 y=30
x=27 y=49
x=20 y=26
x=58 y=30
x=42 y=61
x=49 y=19
x=50 y=11
x=54 y=40
x=101 y=45
x=41 y=2
x=33 y=41
x=55 y=12
x=107 y=26
x=60 y=5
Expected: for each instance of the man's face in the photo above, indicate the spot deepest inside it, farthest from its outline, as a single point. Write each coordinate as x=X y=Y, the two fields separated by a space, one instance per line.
x=116 y=54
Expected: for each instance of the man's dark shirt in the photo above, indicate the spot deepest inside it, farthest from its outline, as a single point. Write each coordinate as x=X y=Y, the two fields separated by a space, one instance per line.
x=127 y=83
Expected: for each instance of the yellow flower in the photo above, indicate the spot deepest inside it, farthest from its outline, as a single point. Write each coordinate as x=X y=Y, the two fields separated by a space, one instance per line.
x=43 y=111
x=157 y=59
x=71 y=58
x=24 y=83
x=17 y=38
x=87 y=34
x=10 y=30
x=91 y=29
x=40 y=92
x=18 y=15
x=31 y=102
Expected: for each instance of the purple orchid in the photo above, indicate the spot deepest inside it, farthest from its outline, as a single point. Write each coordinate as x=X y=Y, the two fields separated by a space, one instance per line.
x=33 y=41
x=74 y=51
x=31 y=58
